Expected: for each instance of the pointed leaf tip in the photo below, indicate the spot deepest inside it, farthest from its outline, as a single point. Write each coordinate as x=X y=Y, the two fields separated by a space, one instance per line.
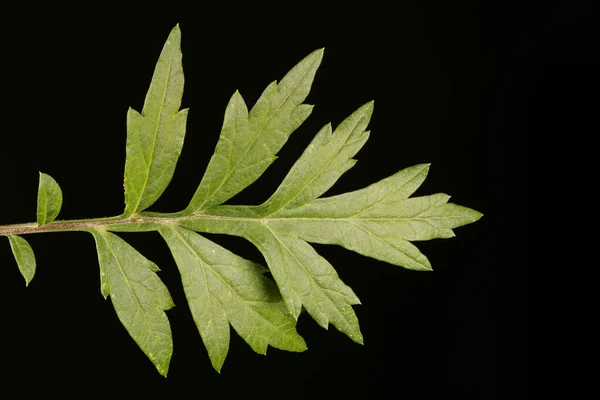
x=176 y=30
x=155 y=136
x=319 y=53
x=24 y=256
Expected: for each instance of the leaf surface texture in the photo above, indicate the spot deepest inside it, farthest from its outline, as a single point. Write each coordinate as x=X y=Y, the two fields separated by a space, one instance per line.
x=49 y=199
x=224 y=290
x=138 y=296
x=155 y=137
x=24 y=256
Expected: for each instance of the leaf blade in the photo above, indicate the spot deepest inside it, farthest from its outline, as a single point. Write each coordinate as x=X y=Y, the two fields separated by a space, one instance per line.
x=224 y=289
x=324 y=161
x=380 y=220
x=298 y=270
x=249 y=141
x=155 y=137
x=24 y=256
x=49 y=201
x=138 y=296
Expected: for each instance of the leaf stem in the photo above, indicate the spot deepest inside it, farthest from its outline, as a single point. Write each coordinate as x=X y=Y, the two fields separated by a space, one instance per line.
x=139 y=223
x=70 y=225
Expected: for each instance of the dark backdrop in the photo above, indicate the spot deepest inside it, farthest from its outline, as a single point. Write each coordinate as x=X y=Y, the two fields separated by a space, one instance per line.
x=460 y=87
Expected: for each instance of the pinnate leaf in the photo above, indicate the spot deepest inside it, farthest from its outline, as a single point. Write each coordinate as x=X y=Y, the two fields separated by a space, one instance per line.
x=49 y=200
x=380 y=221
x=24 y=256
x=138 y=296
x=223 y=288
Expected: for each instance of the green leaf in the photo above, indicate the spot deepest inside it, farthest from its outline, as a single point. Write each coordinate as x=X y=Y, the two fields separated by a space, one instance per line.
x=323 y=162
x=24 y=256
x=49 y=200
x=138 y=296
x=380 y=220
x=249 y=141
x=155 y=138
x=307 y=279
x=224 y=289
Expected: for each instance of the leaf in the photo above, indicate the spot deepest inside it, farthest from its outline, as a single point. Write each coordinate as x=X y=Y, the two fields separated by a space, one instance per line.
x=224 y=289
x=379 y=221
x=307 y=279
x=324 y=161
x=249 y=141
x=49 y=200
x=24 y=256
x=138 y=296
x=155 y=138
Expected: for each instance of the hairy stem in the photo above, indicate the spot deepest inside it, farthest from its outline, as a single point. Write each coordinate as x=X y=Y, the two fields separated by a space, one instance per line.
x=72 y=225
x=138 y=223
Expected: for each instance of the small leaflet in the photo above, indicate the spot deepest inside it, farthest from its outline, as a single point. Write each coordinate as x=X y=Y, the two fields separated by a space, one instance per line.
x=24 y=256
x=49 y=200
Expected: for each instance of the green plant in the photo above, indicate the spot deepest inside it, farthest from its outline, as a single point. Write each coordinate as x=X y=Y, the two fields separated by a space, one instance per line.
x=223 y=289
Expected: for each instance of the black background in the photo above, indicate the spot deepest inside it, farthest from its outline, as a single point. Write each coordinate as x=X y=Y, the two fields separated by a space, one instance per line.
x=462 y=87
